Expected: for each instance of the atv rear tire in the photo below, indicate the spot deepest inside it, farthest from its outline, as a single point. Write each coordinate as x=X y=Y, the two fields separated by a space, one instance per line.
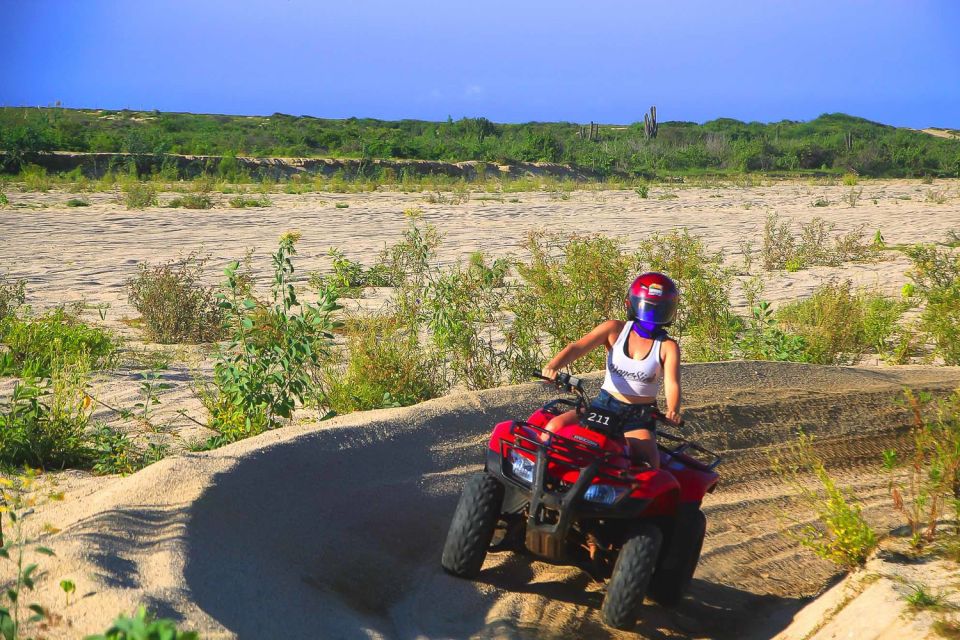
x=631 y=575
x=472 y=527
x=680 y=558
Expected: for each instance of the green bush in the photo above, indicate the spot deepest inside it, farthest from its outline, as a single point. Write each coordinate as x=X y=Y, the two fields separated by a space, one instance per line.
x=349 y=277
x=461 y=308
x=34 y=178
x=138 y=195
x=567 y=286
x=762 y=339
x=274 y=350
x=243 y=201
x=839 y=324
x=143 y=626
x=841 y=534
x=42 y=424
x=817 y=244
x=34 y=343
x=12 y=295
x=78 y=202
x=704 y=282
x=192 y=201
x=385 y=366
x=174 y=303
x=936 y=283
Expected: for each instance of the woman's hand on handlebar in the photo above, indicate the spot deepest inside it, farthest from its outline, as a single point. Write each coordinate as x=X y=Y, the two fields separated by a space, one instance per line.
x=549 y=374
x=672 y=417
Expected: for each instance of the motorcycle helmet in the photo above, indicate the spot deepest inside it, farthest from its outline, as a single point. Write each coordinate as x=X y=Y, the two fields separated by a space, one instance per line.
x=652 y=300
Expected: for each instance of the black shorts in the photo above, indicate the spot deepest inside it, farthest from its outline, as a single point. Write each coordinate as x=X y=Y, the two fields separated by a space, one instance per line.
x=632 y=416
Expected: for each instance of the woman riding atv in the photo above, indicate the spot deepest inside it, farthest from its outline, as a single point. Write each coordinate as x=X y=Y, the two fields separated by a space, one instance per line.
x=639 y=355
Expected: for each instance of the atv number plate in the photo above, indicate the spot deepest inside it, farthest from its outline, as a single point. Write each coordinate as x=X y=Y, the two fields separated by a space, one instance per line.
x=601 y=419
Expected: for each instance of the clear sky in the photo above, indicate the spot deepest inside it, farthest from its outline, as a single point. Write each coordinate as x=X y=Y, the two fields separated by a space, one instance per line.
x=894 y=61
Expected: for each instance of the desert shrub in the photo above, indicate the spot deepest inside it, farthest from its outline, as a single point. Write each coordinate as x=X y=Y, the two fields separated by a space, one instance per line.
x=143 y=626
x=34 y=178
x=349 y=276
x=78 y=202
x=385 y=366
x=567 y=286
x=936 y=283
x=34 y=343
x=932 y=483
x=761 y=338
x=12 y=295
x=243 y=201
x=838 y=323
x=936 y=196
x=817 y=244
x=192 y=201
x=4 y=200
x=461 y=309
x=275 y=348
x=820 y=202
x=849 y=180
x=342 y=205
x=138 y=195
x=112 y=452
x=704 y=313
x=852 y=197
x=42 y=424
x=174 y=303
x=841 y=535
x=408 y=261
x=643 y=191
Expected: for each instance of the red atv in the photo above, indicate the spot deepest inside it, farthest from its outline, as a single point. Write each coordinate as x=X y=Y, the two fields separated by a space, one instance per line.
x=575 y=497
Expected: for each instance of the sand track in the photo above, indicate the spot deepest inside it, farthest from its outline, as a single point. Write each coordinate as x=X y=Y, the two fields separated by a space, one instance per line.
x=335 y=531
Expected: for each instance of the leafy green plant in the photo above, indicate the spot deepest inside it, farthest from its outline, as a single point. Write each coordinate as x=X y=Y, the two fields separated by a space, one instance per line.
x=17 y=507
x=935 y=276
x=849 y=180
x=175 y=304
x=933 y=467
x=838 y=324
x=34 y=178
x=113 y=452
x=78 y=202
x=461 y=307
x=385 y=365
x=762 y=338
x=34 y=342
x=920 y=597
x=342 y=205
x=151 y=383
x=139 y=195
x=643 y=191
x=704 y=313
x=567 y=286
x=142 y=626
x=4 y=200
x=243 y=201
x=841 y=534
x=265 y=371
x=43 y=422
x=69 y=587
x=12 y=295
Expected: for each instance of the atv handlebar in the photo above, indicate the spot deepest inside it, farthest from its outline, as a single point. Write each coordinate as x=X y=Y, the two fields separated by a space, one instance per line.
x=572 y=384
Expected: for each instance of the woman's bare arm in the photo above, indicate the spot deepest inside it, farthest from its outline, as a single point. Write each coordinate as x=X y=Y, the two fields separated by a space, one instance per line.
x=576 y=350
x=671 y=379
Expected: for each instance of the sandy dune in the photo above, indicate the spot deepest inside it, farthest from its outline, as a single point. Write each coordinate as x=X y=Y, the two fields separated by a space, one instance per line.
x=335 y=531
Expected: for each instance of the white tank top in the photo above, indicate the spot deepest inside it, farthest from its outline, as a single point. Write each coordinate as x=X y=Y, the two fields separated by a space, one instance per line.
x=629 y=376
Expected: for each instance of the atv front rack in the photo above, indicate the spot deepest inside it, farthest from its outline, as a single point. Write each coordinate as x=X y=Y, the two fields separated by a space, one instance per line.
x=690 y=453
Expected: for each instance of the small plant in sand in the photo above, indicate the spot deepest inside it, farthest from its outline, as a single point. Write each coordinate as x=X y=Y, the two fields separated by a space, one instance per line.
x=265 y=371
x=4 y=200
x=139 y=195
x=34 y=178
x=935 y=276
x=78 y=202
x=852 y=197
x=243 y=201
x=33 y=343
x=643 y=191
x=175 y=304
x=17 y=499
x=840 y=534
x=817 y=244
x=143 y=626
x=849 y=180
x=12 y=296
x=936 y=196
x=762 y=338
x=932 y=484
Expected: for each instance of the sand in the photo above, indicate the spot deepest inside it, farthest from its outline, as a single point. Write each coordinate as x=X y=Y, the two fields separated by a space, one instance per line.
x=334 y=530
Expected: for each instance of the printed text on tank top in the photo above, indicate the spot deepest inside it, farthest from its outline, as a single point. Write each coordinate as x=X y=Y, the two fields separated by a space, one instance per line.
x=628 y=376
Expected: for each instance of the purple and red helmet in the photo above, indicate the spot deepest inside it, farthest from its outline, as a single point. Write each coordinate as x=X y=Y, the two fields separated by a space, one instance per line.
x=652 y=299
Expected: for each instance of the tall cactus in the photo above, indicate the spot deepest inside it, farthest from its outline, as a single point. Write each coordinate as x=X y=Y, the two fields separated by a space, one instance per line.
x=650 y=125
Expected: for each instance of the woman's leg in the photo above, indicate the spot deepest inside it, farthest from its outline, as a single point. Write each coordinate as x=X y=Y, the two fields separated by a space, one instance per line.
x=564 y=419
x=643 y=446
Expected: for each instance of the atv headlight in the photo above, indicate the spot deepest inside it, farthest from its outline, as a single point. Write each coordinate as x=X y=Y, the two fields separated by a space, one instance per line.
x=603 y=493
x=521 y=467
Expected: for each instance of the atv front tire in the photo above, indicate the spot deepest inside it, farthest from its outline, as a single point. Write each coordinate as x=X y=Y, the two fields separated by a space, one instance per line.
x=472 y=527
x=680 y=558
x=631 y=575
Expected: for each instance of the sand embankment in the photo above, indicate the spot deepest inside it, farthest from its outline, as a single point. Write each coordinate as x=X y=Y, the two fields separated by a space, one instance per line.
x=334 y=530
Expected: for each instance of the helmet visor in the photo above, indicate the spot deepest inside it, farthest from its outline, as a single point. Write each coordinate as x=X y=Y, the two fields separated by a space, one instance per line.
x=655 y=312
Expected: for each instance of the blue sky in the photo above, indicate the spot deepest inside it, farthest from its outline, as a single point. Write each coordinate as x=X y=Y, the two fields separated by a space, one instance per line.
x=896 y=62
